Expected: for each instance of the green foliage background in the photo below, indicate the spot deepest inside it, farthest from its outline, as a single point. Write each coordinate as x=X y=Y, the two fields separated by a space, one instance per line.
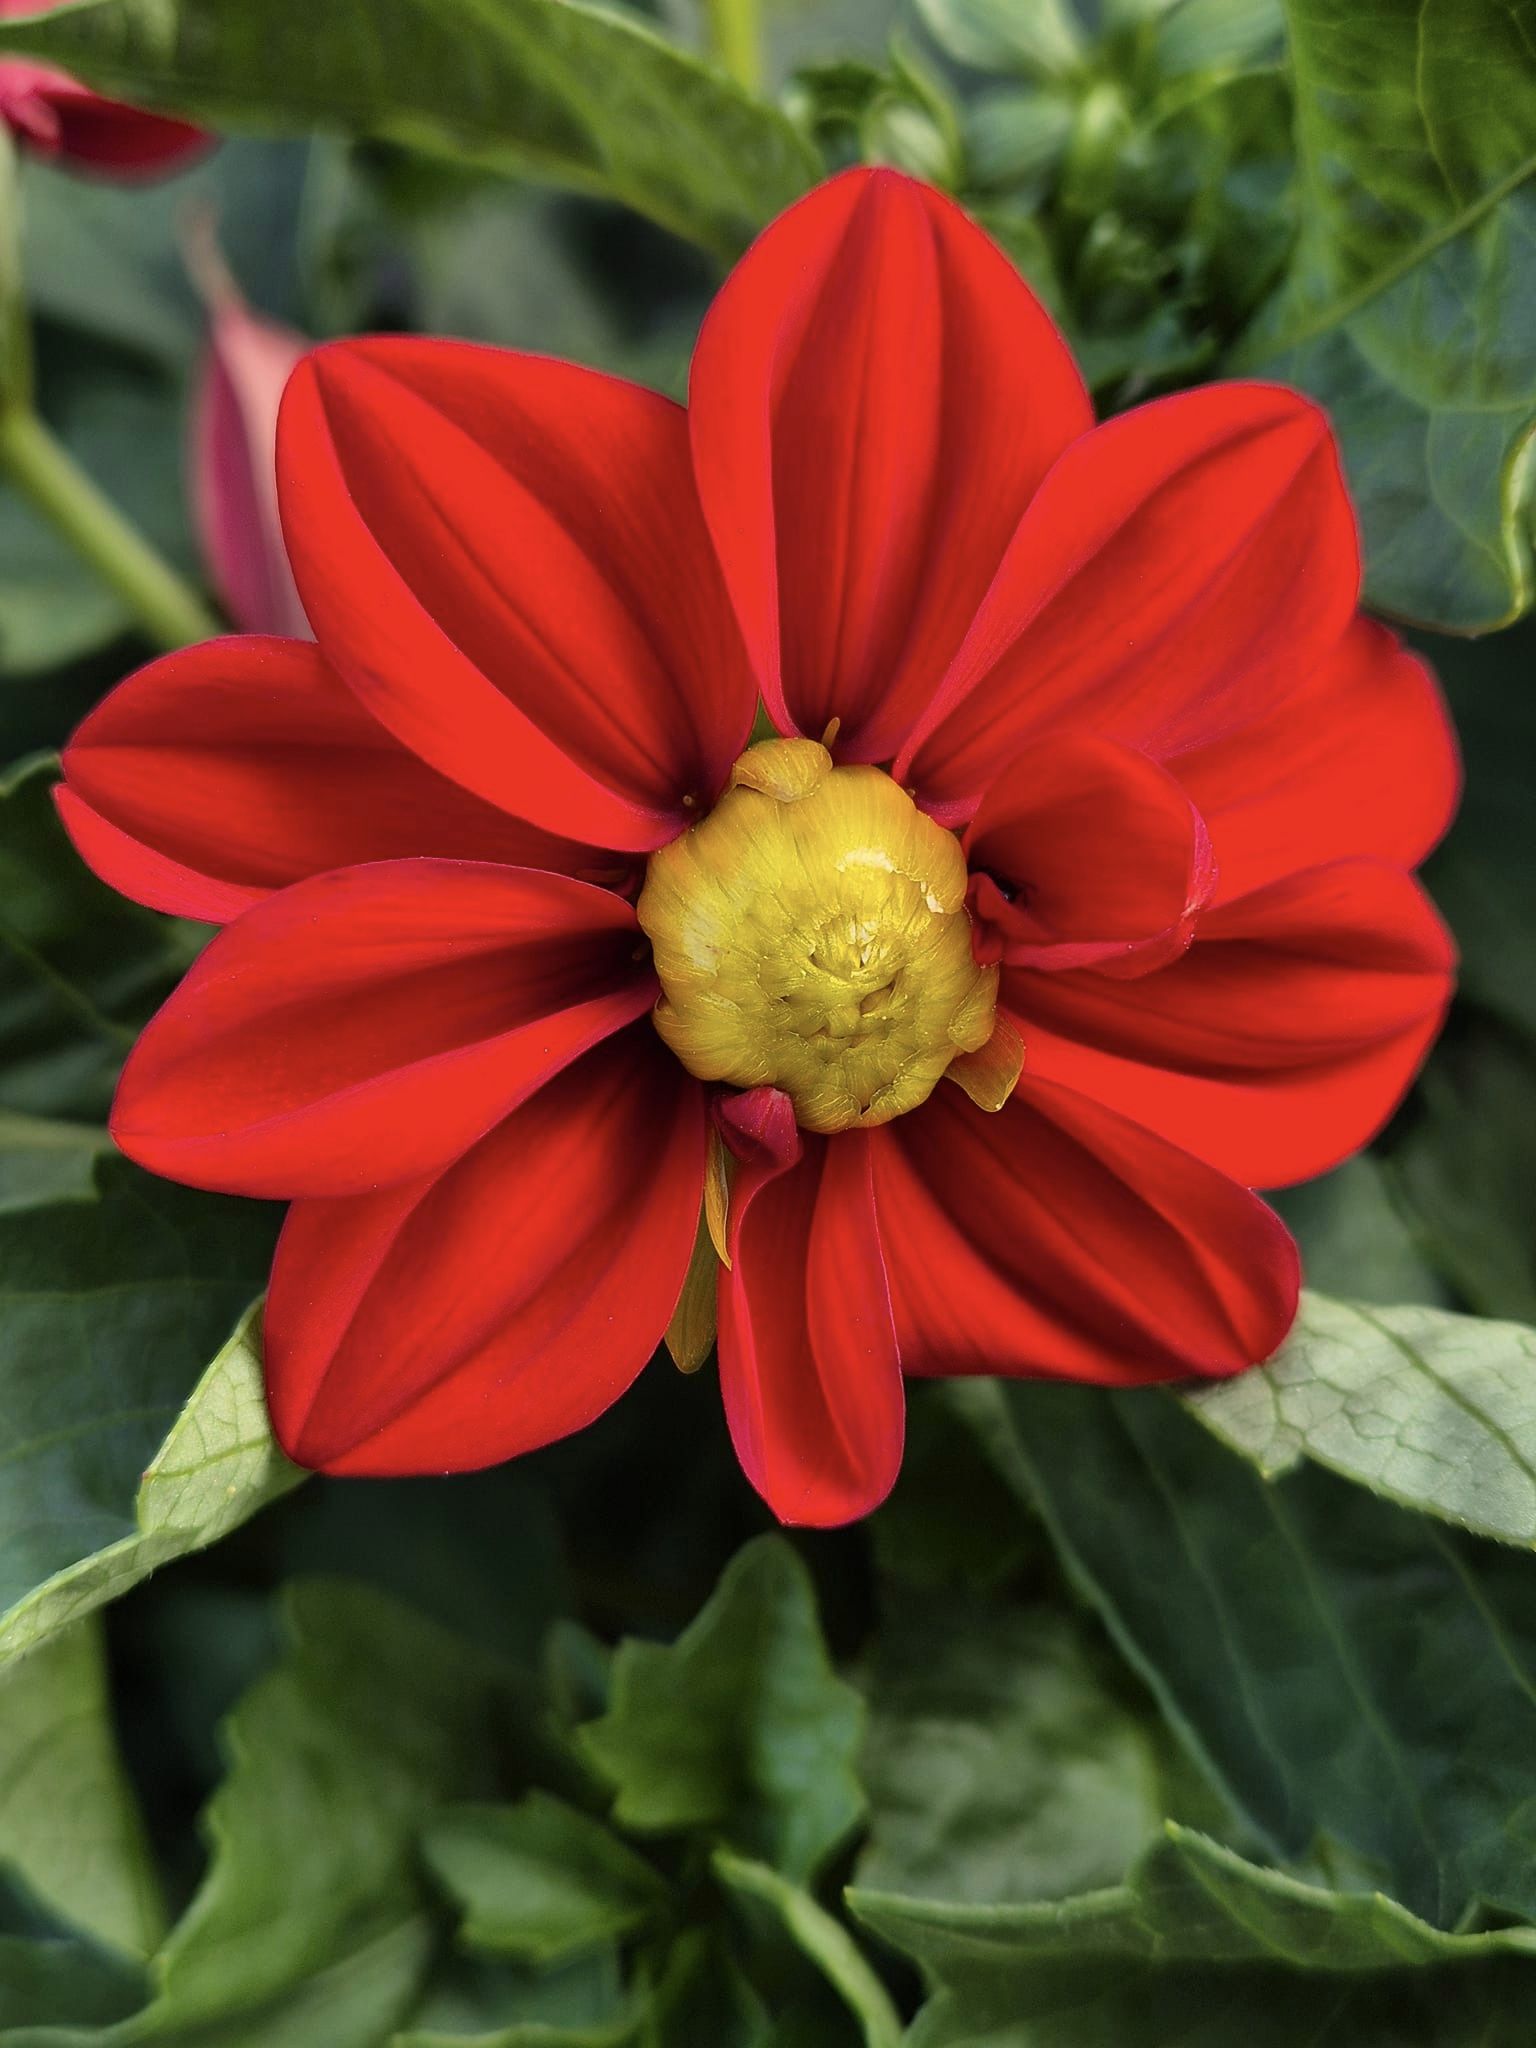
x=1131 y=1720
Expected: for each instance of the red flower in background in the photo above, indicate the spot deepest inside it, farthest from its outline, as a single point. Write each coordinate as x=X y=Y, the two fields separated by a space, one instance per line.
x=1154 y=790
x=54 y=116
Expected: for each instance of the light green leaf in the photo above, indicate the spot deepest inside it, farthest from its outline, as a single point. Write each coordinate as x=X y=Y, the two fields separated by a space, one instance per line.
x=1009 y=1973
x=817 y=1935
x=540 y=1881
x=1433 y=1410
x=69 y=1823
x=741 y=1727
x=108 y=1309
x=999 y=1765
x=1043 y=39
x=1410 y=311
x=552 y=88
x=80 y=968
x=1342 y=1669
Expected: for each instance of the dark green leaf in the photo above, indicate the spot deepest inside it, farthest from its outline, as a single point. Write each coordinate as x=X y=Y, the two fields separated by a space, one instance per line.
x=540 y=1881
x=1355 y=1240
x=741 y=1728
x=552 y=88
x=999 y=1766
x=109 y=1311
x=1433 y=1410
x=45 y=1160
x=1465 y=1168
x=69 y=1823
x=1012 y=1974
x=1410 y=311
x=1343 y=1669
x=825 y=1941
x=80 y=968
x=470 y=2002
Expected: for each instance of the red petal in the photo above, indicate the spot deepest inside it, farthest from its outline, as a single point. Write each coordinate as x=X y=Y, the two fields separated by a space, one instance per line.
x=1055 y=1238
x=454 y=1322
x=1362 y=760
x=1176 y=574
x=808 y=1363
x=216 y=775
x=1084 y=851
x=504 y=557
x=60 y=118
x=875 y=395
x=1283 y=1039
x=368 y=1025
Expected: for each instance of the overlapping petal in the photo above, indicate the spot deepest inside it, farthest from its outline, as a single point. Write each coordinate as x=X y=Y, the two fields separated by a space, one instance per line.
x=1282 y=1040
x=367 y=1026
x=1181 y=570
x=1057 y=1238
x=55 y=116
x=1362 y=760
x=875 y=396
x=808 y=1360
x=505 y=558
x=223 y=772
x=459 y=1320
x=1086 y=853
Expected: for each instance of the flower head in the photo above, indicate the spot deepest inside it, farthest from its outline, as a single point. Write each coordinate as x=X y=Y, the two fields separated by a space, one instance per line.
x=1070 y=903
x=52 y=115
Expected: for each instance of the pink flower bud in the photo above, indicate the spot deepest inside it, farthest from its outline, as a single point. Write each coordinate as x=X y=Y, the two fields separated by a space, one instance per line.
x=232 y=451
x=52 y=115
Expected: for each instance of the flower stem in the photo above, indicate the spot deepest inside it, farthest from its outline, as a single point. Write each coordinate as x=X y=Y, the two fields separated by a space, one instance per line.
x=735 y=40
x=168 y=609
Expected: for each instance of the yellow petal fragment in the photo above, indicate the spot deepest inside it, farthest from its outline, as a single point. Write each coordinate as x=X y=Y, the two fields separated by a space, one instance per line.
x=990 y=1076
x=784 y=769
x=717 y=1196
x=691 y=1332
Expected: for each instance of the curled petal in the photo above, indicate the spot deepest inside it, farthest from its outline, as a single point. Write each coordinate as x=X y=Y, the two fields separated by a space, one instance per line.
x=456 y=1321
x=1057 y=1239
x=808 y=1361
x=505 y=558
x=875 y=395
x=1361 y=761
x=368 y=1025
x=221 y=773
x=1283 y=1039
x=1179 y=572
x=1083 y=853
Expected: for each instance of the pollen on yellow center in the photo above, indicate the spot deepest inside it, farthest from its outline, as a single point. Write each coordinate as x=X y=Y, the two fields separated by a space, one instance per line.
x=810 y=934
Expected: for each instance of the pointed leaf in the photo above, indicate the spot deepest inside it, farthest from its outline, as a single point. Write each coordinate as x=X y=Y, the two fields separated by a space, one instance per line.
x=741 y=1728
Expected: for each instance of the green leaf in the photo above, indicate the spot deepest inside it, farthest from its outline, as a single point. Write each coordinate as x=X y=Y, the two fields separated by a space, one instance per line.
x=1339 y=1667
x=108 y=1311
x=1042 y=39
x=470 y=2002
x=1465 y=1167
x=1433 y=1410
x=1410 y=311
x=826 y=1942
x=69 y=1823
x=339 y=1757
x=540 y=1881
x=551 y=88
x=80 y=968
x=741 y=1727
x=999 y=1765
x=50 y=1980
x=1007 y=1973
x=1354 y=1238
x=43 y=1159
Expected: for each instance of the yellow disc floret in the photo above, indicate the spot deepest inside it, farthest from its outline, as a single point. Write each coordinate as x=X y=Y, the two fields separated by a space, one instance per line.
x=811 y=934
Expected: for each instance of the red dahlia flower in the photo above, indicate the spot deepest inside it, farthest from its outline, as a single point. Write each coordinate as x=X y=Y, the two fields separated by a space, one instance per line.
x=1095 y=796
x=54 y=116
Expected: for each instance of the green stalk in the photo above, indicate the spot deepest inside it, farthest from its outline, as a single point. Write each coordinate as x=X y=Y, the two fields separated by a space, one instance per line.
x=168 y=609
x=735 y=38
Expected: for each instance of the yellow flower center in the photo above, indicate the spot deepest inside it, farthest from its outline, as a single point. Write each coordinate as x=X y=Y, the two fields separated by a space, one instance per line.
x=810 y=934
